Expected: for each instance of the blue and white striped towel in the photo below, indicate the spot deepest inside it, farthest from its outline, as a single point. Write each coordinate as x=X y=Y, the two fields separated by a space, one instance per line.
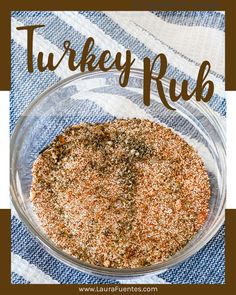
x=187 y=38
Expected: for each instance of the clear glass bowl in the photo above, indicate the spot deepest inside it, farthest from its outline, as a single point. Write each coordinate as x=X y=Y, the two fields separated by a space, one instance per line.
x=76 y=99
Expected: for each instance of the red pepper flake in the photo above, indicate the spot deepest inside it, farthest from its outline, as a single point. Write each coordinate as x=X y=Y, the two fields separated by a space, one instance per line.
x=62 y=139
x=202 y=217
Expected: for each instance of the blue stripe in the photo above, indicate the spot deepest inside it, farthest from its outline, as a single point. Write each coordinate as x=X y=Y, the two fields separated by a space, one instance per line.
x=16 y=279
x=30 y=13
x=205 y=267
x=211 y=19
x=24 y=245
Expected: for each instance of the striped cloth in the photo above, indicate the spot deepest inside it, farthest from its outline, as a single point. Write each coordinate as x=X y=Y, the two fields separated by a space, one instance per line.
x=187 y=38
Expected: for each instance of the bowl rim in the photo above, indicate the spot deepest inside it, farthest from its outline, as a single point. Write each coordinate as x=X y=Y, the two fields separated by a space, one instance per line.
x=89 y=268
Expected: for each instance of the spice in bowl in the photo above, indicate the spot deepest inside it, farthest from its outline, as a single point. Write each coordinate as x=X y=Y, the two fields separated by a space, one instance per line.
x=122 y=194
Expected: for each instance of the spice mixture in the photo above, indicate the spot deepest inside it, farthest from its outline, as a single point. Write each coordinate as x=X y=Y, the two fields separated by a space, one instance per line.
x=121 y=194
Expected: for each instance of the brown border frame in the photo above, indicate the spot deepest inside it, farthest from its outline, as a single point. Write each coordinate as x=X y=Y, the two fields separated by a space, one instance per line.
x=230 y=8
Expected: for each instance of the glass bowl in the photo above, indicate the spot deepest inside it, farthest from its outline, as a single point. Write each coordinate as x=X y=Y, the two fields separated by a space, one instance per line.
x=98 y=97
